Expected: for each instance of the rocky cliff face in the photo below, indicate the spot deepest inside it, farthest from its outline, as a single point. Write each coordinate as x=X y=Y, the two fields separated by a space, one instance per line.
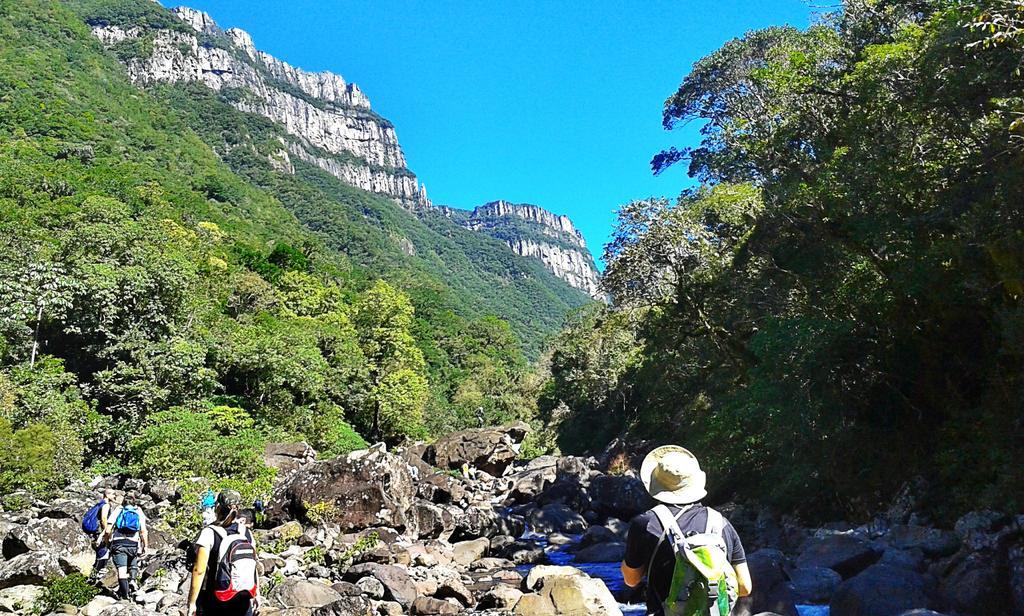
x=532 y=231
x=329 y=121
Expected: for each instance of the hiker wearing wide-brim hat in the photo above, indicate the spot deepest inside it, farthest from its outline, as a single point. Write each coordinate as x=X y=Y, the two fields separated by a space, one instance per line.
x=680 y=528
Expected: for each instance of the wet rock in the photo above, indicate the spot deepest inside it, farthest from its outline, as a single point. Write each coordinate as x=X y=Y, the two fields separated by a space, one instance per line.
x=814 y=584
x=881 y=590
x=845 y=554
x=568 y=493
x=489 y=449
x=602 y=553
x=557 y=518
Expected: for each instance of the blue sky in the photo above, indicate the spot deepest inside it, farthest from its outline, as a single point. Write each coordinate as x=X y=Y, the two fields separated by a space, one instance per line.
x=552 y=103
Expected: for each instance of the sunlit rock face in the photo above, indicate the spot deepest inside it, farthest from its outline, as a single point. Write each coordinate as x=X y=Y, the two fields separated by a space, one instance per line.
x=532 y=231
x=330 y=120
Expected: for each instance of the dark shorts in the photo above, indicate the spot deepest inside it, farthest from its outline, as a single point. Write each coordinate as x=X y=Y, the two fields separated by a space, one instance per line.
x=125 y=553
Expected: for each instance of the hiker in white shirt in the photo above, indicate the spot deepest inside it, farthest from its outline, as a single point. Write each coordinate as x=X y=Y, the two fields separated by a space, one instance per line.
x=128 y=538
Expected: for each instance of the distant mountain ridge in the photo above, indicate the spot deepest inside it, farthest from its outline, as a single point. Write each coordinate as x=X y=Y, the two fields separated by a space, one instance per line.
x=531 y=231
x=328 y=123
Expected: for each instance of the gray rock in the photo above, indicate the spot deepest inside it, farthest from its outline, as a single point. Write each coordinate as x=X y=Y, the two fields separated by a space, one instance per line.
x=912 y=559
x=398 y=586
x=346 y=606
x=298 y=593
x=619 y=496
x=845 y=554
x=932 y=541
x=51 y=535
x=881 y=590
x=31 y=568
x=772 y=591
x=489 y=449
x=602 y=553
x=557 y=518
x=500 y=597
x=371 y=587
x=814 y=584
x=429 y=606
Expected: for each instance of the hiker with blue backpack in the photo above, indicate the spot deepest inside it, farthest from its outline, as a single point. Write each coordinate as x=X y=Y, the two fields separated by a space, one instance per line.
x=224 y=576
x=690 y=554
x=128 y=538
x=95 y=523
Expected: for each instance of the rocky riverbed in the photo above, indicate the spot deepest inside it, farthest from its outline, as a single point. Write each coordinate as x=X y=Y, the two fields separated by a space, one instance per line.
x=462 y=526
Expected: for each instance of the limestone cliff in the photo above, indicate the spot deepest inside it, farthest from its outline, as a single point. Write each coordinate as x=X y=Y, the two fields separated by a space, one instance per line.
x=329 y=122
x=532 y=231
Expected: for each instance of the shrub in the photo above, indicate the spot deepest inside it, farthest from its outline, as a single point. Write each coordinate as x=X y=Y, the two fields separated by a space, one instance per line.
x=319 y=513
x=74 y=589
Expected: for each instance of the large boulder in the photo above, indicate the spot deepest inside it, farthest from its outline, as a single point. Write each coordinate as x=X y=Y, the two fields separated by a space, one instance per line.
x=881 y=590
x=298 y=593
x=346 y=606
x=932 y=541
x=33 y=568
x=619 y=496
x=609 y=552
x=398 y=586
x=366 y=489
x=772 y=590
x=570 y=591
x=845 y=554
x=814 y=585
x=489 y=449
x=527 y=484
x=557 y=518
x=58 y=536
x=287 y=457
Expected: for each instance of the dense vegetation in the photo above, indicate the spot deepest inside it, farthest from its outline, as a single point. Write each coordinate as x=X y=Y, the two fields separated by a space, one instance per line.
x=838 y=308
x=168 y=312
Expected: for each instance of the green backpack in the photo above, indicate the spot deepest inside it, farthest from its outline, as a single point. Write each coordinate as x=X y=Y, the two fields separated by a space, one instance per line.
x=703 y=580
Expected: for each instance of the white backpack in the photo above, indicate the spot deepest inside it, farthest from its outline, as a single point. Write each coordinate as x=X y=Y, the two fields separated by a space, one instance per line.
x=236 y=565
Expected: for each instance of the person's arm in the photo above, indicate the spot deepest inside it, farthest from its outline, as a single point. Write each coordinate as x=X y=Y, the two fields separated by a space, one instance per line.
x=104 y=521
x=632 y=576
x=144 y=535
x=198 y=574
x=744 y=584
x=638 y=552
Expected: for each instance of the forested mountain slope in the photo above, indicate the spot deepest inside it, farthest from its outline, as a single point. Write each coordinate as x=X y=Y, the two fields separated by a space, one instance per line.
x=838 y=308
x=308 y=139
x=167 y=286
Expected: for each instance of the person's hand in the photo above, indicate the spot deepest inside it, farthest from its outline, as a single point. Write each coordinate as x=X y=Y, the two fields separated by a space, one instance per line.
x=191 y=610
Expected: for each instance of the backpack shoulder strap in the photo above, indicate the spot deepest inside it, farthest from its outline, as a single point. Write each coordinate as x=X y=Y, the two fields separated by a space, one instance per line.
x=716 y=523
x=668 y=522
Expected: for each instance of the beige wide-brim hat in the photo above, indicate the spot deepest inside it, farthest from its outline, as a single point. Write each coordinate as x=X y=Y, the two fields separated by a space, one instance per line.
x=672 y=475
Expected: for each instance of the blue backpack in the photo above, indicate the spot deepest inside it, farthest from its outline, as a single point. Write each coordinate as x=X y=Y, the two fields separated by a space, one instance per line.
x=91 y=519
x=128 y=522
